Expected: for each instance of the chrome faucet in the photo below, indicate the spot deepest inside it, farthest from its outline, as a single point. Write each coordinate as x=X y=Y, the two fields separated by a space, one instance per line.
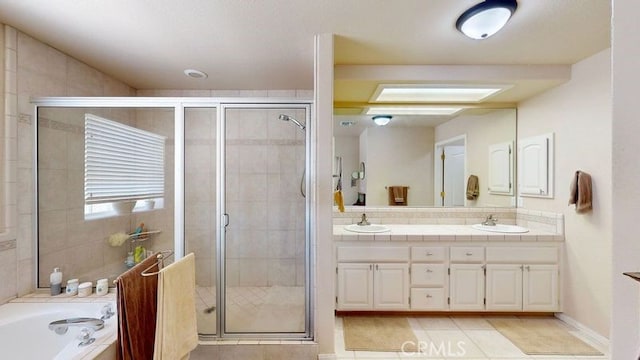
x=364 y=221
x=490 y=220
x=62 y=326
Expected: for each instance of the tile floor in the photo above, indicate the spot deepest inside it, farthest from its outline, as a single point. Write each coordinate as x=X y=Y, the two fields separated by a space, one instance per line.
x=253 y=309
x=480 y=340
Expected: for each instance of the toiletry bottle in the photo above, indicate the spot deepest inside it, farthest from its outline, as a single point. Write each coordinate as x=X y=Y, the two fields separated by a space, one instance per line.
x=56 y=281
x=102 y=287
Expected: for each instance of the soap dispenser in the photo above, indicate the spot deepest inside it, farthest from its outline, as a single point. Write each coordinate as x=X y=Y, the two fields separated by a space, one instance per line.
x=56 y=281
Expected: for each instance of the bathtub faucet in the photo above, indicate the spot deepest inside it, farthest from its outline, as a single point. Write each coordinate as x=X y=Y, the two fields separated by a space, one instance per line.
x=61 y=326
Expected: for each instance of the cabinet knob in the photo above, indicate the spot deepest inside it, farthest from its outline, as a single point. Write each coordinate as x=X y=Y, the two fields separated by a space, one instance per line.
x=528 y=267
x=370 y=267
x=429 y=296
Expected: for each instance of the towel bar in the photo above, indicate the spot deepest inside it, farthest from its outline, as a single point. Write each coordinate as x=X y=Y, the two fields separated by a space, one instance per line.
x=161 y=256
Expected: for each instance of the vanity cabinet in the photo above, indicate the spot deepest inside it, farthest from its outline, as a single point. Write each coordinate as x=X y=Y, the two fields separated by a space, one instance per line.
x=488 y=277
x=373 y=278
x=373 y=286
x=524 y=278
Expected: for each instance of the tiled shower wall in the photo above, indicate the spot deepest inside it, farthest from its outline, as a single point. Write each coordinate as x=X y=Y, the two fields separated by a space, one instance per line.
x=66 y=240
x=34 y=69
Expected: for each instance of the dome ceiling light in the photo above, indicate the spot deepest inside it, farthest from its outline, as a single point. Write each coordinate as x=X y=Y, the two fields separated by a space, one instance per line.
x=381 y=120
x=486 y=18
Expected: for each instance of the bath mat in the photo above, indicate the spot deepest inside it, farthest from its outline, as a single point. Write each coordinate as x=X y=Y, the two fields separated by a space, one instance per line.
x=547 y=336
x=376 y=333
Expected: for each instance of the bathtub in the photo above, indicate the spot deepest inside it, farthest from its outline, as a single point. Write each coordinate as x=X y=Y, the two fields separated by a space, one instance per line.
x=25 y=334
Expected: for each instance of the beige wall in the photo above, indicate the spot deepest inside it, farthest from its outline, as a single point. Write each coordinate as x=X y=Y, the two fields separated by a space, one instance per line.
x=37 y=70
x=482 y=130
x=625 y=331
x=579 y=113
x=399 y=156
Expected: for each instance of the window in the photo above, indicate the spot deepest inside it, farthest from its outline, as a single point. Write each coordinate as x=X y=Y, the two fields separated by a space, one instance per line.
x=121 y=163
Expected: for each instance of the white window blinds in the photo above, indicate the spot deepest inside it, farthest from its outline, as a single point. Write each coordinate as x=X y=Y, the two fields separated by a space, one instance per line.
x=121 y=162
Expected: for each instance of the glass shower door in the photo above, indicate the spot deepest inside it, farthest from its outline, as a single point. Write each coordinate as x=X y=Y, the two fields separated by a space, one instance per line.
x=200 y=210
x=265 y=242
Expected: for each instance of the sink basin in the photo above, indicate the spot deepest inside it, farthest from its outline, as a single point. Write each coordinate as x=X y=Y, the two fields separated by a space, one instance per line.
x=501 y=228
x=367 y=228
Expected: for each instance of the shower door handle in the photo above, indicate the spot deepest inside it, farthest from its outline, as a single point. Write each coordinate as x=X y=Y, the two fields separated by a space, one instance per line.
x=225 y=220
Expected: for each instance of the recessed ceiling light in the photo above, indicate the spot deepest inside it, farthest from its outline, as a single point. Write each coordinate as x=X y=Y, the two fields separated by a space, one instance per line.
x=196 y=74
x=435 y=93
x=413 y=110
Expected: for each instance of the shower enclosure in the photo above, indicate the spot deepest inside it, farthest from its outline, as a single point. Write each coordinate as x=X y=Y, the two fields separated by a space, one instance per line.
x=235 y=194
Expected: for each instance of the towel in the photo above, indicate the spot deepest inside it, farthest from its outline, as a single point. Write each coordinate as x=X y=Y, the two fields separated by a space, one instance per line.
x=473 y=187
x=580 y=192
x=339 y=200
x=176 y=329
x=137 y=301
x=398 y=195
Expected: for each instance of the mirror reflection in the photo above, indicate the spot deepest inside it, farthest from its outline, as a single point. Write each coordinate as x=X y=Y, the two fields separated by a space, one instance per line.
x=419 y=161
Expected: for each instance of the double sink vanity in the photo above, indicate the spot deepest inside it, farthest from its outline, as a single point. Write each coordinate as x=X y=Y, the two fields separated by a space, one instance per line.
x=445 y=260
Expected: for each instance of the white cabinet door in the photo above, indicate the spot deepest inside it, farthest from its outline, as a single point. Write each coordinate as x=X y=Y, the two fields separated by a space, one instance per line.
x=540 y=288
x=355 y=286
x=504 y=287
x=500 y=169
x=535 y=166
x=466 y=287
x=391 y=287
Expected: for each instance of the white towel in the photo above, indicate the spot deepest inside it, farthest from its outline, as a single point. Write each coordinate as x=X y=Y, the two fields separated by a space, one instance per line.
x=176 y=328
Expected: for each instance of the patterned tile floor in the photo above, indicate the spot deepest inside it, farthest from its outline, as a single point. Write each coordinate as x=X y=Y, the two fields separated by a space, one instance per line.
x=253 y=309
x=481 y=341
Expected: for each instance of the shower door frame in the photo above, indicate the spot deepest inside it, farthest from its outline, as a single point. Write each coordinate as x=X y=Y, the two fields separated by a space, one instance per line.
x=179 y=104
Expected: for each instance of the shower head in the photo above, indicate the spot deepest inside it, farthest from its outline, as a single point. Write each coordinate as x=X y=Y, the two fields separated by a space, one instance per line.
x=285 y=117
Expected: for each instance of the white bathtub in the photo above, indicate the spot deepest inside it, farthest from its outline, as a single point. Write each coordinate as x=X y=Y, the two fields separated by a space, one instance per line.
x=25 y=334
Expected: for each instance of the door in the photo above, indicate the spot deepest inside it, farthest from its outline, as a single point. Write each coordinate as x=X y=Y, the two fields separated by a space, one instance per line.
x=500 y=170
x=504 y=287
x=265 y=211
x=355 y=286
x=391 y=287
x=540 y=288
x=466 y=287
x=534 y=166
x=454 y=187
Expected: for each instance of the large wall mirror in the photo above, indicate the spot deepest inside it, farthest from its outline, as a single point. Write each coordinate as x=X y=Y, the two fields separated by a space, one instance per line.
x=433 y=158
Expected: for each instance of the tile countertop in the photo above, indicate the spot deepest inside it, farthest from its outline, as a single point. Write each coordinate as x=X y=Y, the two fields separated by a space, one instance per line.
x=442 y=233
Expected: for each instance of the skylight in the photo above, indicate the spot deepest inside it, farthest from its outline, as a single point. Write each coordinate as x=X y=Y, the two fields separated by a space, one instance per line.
x=435 y=93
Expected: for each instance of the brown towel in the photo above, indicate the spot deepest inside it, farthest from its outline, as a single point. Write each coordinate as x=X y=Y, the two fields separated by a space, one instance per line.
x=176 y=328
x=137 y=307
x=473 y=187
x=398 y=195
x=580 y=193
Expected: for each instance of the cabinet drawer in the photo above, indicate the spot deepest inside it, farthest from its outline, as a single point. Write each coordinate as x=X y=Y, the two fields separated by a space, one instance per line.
x=467 y=254
x=428 y=299
x=373 y=254
x=523 y=255
x=429 y=253
x=428 y=274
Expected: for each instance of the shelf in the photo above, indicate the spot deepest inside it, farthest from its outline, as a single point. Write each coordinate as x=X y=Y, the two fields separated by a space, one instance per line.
x=143 y=236
x=634 y=275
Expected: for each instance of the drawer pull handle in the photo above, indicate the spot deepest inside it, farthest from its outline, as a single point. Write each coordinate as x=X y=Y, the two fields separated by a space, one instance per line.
x=528 y=268
x=429 y=254
x=429 y=296
x=370 y=267
x=429 y=270
x=469 y=254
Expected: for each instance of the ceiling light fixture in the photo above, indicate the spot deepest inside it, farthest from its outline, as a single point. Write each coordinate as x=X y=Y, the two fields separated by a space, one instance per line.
x=381 y=120
x=196 y=74
x=413 y=110
x=486 y=18
x=435 y=93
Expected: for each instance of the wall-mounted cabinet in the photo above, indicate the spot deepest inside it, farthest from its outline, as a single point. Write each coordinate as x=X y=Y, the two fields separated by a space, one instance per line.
x=535 y=166
x=501 y=169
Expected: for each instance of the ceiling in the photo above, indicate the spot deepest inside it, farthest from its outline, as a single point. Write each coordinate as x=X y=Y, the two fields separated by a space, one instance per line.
x=268 y=44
